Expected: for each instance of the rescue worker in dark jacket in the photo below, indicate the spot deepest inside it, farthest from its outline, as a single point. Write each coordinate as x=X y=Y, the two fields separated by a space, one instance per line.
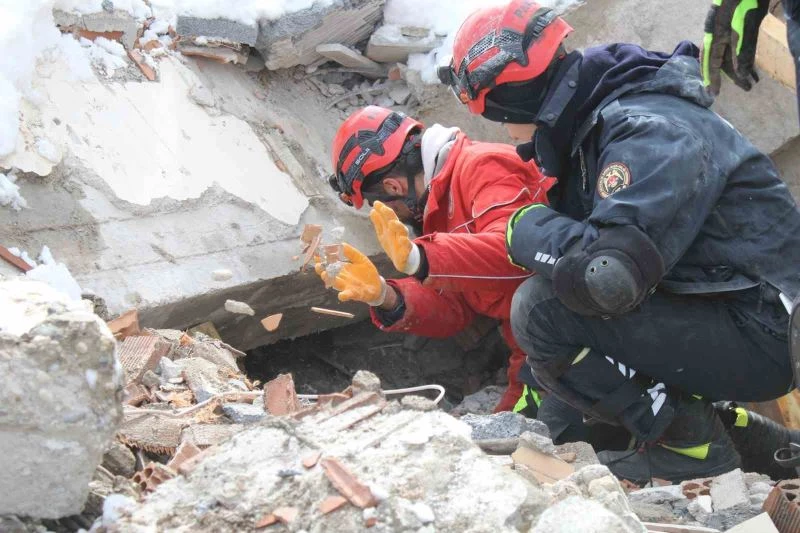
x=670 y=250
x=731 y=36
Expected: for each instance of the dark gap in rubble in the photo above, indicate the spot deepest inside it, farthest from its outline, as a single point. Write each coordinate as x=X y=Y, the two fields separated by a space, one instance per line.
x=326 y=361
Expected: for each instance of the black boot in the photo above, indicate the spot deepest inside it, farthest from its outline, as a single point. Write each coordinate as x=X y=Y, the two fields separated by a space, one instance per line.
x=757 y=438
x=694 y=445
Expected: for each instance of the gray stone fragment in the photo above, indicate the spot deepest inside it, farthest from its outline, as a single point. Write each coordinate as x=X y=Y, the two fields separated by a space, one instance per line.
x=418 y=403
x=244 y=413
x=217 y=29
x=584 y=453
x=657 y=495
x=203 y=378
x=503 y=426
x=387 y=44
x=119 y=460
x=150 y=379
x=479 y=403
x=538 y=442
x=117 y=20
x=365 y=381
x=59 y=408
x=729 y=490
x=700 y=508
x=202 y=95
x=578 y=514
x=400 y=94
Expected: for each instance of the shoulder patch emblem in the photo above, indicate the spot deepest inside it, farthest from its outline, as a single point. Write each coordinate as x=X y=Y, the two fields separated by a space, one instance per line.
x=613 y=178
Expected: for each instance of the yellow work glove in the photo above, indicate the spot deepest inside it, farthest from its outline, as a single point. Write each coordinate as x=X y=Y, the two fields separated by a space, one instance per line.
x=393 y=236
x=357 y=280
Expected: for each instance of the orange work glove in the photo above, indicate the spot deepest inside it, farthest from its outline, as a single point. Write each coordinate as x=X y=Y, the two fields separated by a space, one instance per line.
x=393 y=236
x=357 y=280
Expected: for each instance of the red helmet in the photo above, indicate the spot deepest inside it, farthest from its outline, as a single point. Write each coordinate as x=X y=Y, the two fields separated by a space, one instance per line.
x=497 y=45
x=370 y=139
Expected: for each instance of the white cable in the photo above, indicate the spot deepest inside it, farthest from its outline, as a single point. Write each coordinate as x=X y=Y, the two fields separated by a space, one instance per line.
x=393 y=392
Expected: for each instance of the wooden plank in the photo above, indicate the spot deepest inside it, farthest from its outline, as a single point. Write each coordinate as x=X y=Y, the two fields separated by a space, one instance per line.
x=785 y=410
x=332 y=312
x=772 y=55
x=14 y=260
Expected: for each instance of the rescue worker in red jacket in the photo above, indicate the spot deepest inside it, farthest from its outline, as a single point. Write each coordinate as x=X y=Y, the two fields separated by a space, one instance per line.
x=458 y=195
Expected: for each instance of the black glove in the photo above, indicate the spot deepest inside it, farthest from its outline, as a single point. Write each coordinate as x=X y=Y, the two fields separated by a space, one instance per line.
x=729 y=44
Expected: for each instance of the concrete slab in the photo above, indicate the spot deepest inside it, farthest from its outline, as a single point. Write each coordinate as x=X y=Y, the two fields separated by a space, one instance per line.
x=155 y=193
x=762 y=114
x=217 y=29
x=292 y=39
x=388 y=44
x=348 y=57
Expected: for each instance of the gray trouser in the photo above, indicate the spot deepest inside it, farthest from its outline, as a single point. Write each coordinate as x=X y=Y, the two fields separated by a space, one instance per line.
x=632 y=368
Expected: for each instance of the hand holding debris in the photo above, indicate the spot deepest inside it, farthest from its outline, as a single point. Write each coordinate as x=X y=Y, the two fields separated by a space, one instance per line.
x=393 y=236
x=357 y=279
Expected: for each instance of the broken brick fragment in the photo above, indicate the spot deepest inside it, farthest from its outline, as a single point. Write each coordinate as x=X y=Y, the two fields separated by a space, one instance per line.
x=146 y=69
x=784 y=513
x=140 y=354
x=545 y=468
x=309 y=254
x=135 y=394
x=185 y=451
x=190 y=464
x=309 y=232
x=125 y=325
x=347 y=484
x=286 y=514
x=311 y=460
x=272 y=322
x=153 y=475
x=280 y=397
x=331 y=503
x=332 y=399
x=266 y=520
x=370 y=522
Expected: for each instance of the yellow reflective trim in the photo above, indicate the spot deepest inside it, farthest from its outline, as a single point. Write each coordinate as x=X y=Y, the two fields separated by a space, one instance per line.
x=522 y=403
x=697 y=397
x=708 y=40
x=583 y=353
x=536 y=398
x=695 y=452
x=737 y=23
x=741 y=417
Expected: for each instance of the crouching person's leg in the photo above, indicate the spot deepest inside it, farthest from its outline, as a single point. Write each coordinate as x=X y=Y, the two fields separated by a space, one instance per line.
x=570 y=355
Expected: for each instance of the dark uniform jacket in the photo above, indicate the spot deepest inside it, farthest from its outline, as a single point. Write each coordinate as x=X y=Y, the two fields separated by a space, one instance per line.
x=652 y=155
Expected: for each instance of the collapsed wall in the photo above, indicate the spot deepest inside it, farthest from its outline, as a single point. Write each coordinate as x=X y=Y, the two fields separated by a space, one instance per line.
x=60 y=391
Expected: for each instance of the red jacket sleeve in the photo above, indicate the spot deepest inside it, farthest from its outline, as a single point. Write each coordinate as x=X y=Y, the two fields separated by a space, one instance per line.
x=429 y=312
x=478 y=261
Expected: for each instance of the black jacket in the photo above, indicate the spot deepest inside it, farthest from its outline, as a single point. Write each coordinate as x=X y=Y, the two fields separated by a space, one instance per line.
x=714 y=206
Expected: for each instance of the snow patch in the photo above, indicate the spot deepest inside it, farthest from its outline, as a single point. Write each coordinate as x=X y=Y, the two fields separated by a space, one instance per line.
x=9 y=193
x=245 y=11
x=57 y=276
x=91 y=378
x=27 y=33
x=48 y=150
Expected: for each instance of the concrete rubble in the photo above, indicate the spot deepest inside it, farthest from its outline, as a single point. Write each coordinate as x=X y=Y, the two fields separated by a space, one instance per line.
x=351 y=462
x=59 y=397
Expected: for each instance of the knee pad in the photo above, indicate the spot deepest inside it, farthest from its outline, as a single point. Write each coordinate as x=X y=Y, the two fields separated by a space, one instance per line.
x=612 y=275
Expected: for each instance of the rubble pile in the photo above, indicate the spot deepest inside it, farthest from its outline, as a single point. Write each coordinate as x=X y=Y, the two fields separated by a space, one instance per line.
x=357 y=460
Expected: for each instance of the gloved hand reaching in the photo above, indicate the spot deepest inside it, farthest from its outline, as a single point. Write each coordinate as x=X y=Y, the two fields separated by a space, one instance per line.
x=357 y=280
x=729 y=44
x=393 y=236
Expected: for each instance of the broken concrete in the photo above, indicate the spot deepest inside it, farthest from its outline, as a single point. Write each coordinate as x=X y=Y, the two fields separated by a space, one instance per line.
x=116 y=24
x=292 y=39
x=217 y=29
x=60 y=396
x=347 y=57
x=387 y=44
x=503 y=425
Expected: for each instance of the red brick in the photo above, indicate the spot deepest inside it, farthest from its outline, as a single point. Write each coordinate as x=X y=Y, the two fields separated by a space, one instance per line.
x=140 y=354
x=347 y=484
x=125 y=325
x=311 y=460
x=280 y=397
x=185 y=451
x=286 y=514
x=331 y=503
